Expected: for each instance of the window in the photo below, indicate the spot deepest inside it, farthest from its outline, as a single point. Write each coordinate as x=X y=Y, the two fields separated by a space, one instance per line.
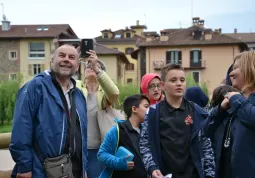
x=129 y=50
x=197 y=34
x=128 y=35
x=36 y=51
x=117 y=35
x=13 y=76
x=12 y=55
x=174 y=57
x=34 y=69
x=106 y=35
x=195 y=58
x=130 y=66
x=196 y=76
x=129 y=80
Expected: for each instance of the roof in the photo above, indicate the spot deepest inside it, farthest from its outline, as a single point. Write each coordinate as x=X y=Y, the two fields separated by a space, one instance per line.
x=150 y=33
x=138 y=26
x=184 y=37
x=104 y=50
x=36 y=31
x=120 y=39
x=171 y=30
x=245 y=37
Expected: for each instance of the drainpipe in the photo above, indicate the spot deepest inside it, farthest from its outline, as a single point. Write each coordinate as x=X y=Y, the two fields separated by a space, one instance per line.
x=233 y=52
x=149 y=60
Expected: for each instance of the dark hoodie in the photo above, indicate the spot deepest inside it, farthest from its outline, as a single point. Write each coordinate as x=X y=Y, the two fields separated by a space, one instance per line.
x=147 y=78
x=196 y=95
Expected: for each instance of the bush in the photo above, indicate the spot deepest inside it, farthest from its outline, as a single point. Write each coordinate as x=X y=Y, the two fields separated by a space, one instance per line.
x=8 y=93
x=191 y=82
x=126 y=90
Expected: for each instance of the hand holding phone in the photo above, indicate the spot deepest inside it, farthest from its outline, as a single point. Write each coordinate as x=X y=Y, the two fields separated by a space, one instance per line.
x=86 y=46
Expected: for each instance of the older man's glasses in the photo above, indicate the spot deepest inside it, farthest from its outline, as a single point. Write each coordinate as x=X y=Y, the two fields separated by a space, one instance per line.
x=154 y=86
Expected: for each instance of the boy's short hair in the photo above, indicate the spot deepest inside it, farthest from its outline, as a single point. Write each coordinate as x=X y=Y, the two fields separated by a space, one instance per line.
x=219 y=94
x=169 y=67
x=133 y=100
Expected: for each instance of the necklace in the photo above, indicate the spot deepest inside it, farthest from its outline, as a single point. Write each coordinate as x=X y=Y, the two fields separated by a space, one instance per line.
x=228 y=136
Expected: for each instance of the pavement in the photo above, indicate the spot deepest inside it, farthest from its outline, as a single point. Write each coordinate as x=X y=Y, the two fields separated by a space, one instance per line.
x=6 y=162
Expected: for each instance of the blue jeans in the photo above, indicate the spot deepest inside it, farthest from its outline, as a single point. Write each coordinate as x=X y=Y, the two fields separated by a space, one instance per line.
x=95 y=168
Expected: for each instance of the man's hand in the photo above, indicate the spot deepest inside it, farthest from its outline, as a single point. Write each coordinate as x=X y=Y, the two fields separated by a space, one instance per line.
x=93 y=60
x=24 y=175
x=85 y=175
x=157 y=174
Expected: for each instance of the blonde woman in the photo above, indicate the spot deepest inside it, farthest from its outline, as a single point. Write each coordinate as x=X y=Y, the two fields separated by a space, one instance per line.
x=100 y=91
x=231 y=125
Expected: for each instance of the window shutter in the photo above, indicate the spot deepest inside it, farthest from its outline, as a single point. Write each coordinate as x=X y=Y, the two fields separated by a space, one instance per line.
x=180 y=57
x=168 y=57
x=191 y=56
x=199 y=55
x=30 y=66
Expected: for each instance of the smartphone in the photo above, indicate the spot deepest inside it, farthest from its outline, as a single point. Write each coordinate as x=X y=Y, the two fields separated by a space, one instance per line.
x=86 y=45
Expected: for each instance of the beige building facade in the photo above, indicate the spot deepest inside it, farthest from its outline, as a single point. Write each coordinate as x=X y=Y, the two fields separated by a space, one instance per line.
x=205 y=53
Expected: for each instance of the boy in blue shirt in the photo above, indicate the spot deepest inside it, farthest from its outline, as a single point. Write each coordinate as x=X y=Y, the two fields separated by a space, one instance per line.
x=126 y=134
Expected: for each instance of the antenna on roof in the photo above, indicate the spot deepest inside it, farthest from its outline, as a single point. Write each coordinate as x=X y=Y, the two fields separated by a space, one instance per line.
x=4 y=16
x=144 y=19
x=191 y=6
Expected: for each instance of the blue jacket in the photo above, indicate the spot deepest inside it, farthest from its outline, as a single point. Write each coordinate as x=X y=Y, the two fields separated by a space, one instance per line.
x=107 y=151
x=243 y=131
x=39 y=117
x=200 y=149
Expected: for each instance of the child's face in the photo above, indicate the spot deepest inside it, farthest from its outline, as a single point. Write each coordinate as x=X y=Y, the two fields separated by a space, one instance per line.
x=144 y=105
x=175 y=83
x=154 y=89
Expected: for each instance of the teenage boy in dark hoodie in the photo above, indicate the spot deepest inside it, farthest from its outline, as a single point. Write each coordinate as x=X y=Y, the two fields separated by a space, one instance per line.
x=126 y=134
x=171 y=138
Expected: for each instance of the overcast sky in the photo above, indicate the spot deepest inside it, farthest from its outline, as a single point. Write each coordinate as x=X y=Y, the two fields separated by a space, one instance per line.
x=89 y=17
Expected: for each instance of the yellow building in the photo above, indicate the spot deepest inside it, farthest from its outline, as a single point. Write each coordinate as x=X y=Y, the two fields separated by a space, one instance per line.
x=126 y=41
x=27 y=49
x=206 y=53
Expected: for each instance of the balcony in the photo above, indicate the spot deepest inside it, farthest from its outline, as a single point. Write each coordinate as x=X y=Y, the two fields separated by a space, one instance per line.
x=201 y=64
x=157 y=65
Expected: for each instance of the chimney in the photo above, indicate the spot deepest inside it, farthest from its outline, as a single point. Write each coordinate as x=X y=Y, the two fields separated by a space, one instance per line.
x=220 y=30
x=6 y=25
x=195 y=20
x=163 y=38
x=137 y=23
x=201 y=23
x=235 y=30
